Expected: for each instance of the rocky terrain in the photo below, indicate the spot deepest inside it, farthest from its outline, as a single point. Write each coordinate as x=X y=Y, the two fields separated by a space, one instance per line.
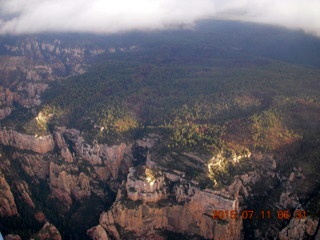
x=71 y=169
x=28 y=64
x=150 y=198
x=153 y=199
x=27 y=142
x=32 y=63
x=58 y=182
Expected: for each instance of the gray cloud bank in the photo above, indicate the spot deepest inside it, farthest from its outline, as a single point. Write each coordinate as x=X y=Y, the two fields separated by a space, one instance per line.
x=106 y=16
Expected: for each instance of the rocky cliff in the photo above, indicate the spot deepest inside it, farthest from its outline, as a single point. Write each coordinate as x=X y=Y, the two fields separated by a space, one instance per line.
x=299 y=229
x=71 y=170
x=151 y=199
x=26 y=67
x=77 y=171
x=29 y=64
x=154 y=199
x=8 y=206
x=48 y=231
x=21 y=141
x=58 y=184
x=193 y=215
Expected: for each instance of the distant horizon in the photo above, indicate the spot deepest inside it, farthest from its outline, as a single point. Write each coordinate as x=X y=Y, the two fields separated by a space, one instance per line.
x=193 y=27
x=106 y=17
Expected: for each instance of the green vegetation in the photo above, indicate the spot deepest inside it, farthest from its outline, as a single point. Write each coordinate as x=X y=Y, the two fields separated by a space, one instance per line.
x=218 y=92
x=190 y=103
x=195 y=100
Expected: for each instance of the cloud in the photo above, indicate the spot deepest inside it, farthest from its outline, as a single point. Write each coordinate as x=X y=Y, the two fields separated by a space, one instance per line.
x=106 y=16
x=295 y=14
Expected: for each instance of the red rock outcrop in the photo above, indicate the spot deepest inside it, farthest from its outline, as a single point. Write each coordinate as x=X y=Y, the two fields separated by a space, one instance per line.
x=107 y=161
x=8 y=206
x=186 y=209
x=65 y=185
x=76 y=173
x=40 y=217
x=34 y=165
x=23 y=189
x=299 y=229
x=48 y=232
x=98 y=233
x=111 y=159
x=27 y=142
x=145 y=185
x=12 y=237
x=66 y=155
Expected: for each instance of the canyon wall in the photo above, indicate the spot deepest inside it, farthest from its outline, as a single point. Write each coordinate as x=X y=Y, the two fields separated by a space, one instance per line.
x=21 y=141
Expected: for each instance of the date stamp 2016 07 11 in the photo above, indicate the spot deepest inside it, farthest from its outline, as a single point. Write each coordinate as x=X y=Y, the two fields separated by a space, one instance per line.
x=261 y=214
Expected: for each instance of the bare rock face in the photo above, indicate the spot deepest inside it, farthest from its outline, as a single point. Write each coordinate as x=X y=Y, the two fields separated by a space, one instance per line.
x=59 y=139
x=108 y=161
x=98 y=233
x=299 y=229
x=154 y=199
x=185 y=208
x=23 y=189
x=34 y=165
x=66 y=155
x=5 y=112
x=65 y=185
x=12 y=237
x=28 y=94
x=75 y=173
x=27 y=142
x=40 y=217
x=28 y=64
x=42 y=60
x=7 y=205
x=145 y=185
x=47 y=232
x=107 y=222
x=6 y=98
x=111 y=159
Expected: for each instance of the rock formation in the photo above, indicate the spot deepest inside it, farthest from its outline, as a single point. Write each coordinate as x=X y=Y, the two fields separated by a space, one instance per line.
x=299 y=229
x=8 y=206
x=148 y=202
x=26 y=142
x=12 y=237
x=65 y=185
x=107 y=161
x=98 y=233
x=144 y=184
x=76 y=173
x=149 y=199
x=35 y=166
x=154 y=199
x=23 y=189
x=47 y=232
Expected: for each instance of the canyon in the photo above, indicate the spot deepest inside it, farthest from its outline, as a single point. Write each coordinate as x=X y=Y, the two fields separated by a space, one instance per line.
x=69 y=173
x=149 y=199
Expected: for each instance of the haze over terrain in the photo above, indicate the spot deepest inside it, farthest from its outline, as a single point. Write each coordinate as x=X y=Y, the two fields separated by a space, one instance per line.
x=99 y=16
x=189 y=120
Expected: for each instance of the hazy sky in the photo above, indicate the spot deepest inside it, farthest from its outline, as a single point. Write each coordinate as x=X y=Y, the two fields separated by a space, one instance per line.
x=106 y=16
